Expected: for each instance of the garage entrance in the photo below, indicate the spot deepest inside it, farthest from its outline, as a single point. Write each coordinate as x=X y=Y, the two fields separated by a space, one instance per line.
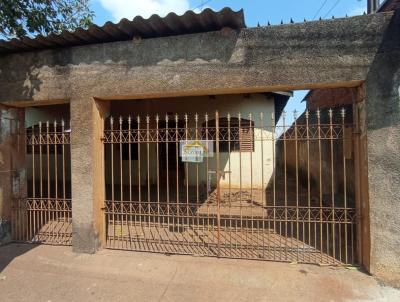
x=259 y=185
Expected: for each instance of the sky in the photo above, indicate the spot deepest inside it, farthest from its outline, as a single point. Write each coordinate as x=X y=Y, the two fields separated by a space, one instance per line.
x=256 y=12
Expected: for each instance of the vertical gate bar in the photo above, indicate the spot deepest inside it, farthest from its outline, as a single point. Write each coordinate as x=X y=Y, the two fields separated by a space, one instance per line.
x=308 y=179
x=131 y=206
x=332 y=183
x=274 y=178
x=120 y=215
x=251 y=184
x=297 y=181
x=158 y=172
x=112 y=179
x=63 y=158
x=49 y=228
x=159 y=223
x=40 y=216
x=285 y=184
x=320 y=182
x=263 y=191
x=196 y=120
x=33 y=140
x=177 y=167
x=343 y=113
x=240 y=183
x=65 y=214
x=139 y=181
x=218 y=174
x=327 y=227
x=167 y=167
x=315 y=224
x=69 y=203
x=130 y=156
x=208 y=182
x=148 y=171
x=230 y=182
x=55 y=213
x=187 y=220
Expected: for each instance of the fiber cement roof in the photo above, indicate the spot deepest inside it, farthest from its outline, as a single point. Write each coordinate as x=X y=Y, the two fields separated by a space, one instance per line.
x=155 y=26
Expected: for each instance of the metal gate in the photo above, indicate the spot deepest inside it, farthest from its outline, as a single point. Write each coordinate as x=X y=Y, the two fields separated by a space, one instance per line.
x=237 y=186
x=45 y=215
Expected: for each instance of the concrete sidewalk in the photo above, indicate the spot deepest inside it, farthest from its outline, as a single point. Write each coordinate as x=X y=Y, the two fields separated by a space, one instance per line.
x=50 y=273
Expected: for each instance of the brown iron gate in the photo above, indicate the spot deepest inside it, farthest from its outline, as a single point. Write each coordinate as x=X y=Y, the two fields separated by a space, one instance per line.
x=249 y=186
x=45 y=215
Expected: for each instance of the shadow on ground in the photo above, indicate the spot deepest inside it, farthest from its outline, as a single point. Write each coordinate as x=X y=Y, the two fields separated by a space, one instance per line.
x=9 y=252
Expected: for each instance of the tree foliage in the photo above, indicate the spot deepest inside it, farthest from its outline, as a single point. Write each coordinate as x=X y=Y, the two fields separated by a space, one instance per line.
x=19 y=18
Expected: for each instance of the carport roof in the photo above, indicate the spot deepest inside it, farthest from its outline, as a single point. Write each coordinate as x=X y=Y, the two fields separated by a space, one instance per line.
x=155 y=26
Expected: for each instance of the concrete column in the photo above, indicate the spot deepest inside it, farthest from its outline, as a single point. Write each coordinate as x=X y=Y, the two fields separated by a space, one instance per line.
x=87 y=160
x=12 y=166
x=383 y=136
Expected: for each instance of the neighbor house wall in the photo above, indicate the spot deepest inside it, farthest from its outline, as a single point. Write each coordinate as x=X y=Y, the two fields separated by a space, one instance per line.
x=314 y=162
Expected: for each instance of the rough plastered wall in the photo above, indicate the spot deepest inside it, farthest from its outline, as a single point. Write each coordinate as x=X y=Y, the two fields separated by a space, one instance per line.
x=383 y=136
x=294 y=56
x=12 y=166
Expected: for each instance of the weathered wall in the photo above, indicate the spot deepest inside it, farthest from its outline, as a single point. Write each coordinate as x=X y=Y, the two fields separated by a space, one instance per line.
x=255 y=59
x=12 y=166
x=383 y=135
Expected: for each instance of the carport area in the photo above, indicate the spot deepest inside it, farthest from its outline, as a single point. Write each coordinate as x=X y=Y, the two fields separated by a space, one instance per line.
x=110 y=275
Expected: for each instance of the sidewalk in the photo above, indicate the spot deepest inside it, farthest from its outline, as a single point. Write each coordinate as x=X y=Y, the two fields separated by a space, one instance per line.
x=51 y=273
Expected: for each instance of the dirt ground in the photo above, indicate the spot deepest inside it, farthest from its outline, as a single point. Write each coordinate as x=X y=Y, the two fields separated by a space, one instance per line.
x=54 y=273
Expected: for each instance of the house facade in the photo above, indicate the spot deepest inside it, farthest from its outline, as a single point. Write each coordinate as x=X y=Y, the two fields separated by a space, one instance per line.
x=93 y=124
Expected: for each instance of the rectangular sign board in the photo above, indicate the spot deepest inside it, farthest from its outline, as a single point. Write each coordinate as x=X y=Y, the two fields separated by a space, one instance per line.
x=194 y=151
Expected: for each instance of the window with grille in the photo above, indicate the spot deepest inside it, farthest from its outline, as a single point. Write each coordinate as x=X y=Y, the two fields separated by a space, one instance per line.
x=234 y=135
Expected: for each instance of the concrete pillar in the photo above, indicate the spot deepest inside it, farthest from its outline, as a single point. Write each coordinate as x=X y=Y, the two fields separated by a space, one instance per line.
x=87 y=160
x=383 y=136
x=12 y=166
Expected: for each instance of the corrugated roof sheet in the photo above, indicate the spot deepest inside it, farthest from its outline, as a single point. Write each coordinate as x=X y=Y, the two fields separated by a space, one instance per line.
x=155 y=26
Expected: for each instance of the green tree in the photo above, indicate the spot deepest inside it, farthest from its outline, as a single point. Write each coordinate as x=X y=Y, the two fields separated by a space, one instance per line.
x=19 y=18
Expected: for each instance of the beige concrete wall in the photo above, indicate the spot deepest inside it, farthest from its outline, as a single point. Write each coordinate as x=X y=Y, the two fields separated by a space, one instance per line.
x=249 y=169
